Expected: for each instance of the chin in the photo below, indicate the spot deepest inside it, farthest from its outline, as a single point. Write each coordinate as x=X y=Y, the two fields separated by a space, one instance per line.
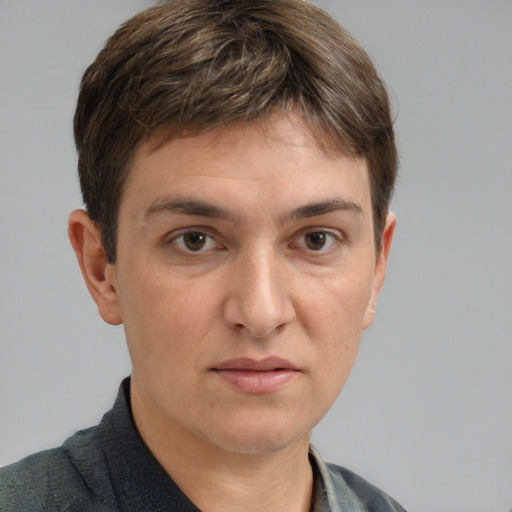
x=259 y=446
x=260 y=439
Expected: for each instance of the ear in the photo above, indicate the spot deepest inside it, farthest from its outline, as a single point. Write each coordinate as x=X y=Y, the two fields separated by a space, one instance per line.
x=380 y=268
x=99 y=275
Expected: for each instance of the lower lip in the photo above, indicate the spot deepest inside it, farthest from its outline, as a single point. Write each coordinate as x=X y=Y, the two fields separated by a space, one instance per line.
x=250 y=381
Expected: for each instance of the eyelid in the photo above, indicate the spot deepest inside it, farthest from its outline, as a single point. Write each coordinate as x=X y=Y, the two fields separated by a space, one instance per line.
x=208 y=232
x=334 y=234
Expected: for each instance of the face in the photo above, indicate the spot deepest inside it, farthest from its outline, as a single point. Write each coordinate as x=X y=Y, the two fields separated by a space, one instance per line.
x=246 y=273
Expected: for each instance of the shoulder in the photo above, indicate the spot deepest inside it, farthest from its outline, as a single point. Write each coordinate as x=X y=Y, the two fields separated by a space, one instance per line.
x=339 y=488
x=68 y=478
x=368 y=496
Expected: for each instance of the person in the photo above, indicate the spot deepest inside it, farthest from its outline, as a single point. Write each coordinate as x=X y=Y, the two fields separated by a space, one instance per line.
x=236 y=160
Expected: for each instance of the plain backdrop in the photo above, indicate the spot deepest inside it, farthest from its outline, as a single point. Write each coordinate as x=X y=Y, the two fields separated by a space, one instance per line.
x=427 y=412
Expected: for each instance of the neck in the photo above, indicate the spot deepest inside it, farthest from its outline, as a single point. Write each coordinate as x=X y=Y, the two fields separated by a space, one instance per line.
x=279 y=482
x=219 y=480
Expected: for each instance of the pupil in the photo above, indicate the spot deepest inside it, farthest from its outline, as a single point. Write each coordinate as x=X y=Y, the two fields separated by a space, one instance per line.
x=194 y=241
x=316 y=241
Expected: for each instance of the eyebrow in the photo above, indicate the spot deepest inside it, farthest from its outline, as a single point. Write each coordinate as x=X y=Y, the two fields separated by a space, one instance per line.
x=188 y=207
x=200 y=208
x=323 y=207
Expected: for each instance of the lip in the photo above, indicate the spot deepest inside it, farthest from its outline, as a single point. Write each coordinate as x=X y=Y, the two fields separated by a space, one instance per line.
x=256 y=376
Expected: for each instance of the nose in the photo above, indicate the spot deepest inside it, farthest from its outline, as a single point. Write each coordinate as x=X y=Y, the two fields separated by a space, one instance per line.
x=258 y=301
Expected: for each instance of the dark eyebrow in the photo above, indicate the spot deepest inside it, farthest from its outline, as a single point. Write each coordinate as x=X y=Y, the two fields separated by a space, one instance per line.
x=322 y=207
x=200 y=208
x=188 y=207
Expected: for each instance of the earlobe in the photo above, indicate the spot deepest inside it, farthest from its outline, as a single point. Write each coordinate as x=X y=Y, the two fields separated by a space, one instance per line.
x=98 y=274
x=380 y=268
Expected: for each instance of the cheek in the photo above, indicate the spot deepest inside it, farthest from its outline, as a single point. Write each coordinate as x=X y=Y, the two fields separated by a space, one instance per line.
x=333 y=316
x=164 y=320
x=336 y=306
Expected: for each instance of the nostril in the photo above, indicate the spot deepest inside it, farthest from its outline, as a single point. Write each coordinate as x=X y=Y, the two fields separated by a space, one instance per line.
x=280 y=328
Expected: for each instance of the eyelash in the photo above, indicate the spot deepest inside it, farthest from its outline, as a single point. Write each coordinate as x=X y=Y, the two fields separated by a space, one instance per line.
x=194 y=231
x=333 y=239
x=330 y=237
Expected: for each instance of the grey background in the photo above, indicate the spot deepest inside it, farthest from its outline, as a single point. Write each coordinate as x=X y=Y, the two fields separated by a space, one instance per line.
x=427 y=412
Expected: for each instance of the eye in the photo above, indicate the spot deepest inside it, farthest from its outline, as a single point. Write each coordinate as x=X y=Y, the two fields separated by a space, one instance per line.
x=194 y=241
x=319 y=241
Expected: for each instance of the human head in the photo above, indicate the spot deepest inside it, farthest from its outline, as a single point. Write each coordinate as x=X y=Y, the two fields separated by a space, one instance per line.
x=189 y=66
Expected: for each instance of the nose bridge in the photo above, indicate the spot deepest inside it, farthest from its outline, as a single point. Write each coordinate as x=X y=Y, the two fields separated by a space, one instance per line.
x=259 y=300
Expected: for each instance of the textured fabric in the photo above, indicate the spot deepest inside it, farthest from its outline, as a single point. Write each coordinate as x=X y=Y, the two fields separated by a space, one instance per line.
x=339 y=490
x=109 y=468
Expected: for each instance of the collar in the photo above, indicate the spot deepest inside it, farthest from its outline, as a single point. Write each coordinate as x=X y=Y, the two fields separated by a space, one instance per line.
x=139 y=481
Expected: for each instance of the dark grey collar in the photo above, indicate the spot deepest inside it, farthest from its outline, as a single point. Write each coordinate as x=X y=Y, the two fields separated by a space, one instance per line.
x=139 y=481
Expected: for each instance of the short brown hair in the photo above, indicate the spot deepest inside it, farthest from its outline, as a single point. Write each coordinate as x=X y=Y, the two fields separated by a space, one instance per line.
x=193 y=65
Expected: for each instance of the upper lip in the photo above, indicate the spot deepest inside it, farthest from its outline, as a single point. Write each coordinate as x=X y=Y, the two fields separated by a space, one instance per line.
x=262 y=365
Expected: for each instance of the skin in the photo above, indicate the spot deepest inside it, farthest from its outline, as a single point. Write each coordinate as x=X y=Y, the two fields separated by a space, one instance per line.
x=221 y=256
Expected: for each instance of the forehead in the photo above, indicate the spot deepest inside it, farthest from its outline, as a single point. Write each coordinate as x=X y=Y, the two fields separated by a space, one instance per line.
x=279 y=155
x=276 y=129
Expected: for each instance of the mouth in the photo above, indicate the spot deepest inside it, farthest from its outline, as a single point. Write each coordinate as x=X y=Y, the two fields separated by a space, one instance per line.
x=256 y=376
